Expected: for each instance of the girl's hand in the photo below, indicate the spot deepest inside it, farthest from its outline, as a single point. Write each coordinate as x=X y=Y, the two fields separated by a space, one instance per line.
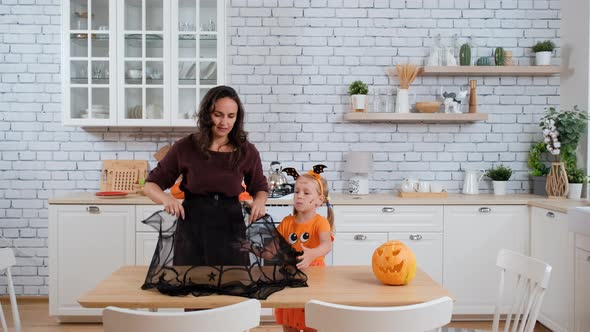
x=309 y=254
x=257 y=210
x=173 y=207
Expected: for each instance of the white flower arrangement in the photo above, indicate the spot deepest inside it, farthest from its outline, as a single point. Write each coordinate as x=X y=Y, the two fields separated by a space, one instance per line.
x=551 y=136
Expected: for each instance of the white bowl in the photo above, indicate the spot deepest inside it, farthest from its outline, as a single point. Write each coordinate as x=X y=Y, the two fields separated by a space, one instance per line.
x=134 y=73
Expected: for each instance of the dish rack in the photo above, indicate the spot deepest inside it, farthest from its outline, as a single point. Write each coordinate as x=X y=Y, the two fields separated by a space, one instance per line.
x=122 y=175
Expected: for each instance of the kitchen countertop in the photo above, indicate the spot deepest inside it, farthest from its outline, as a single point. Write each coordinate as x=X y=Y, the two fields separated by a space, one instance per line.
x=560 y=205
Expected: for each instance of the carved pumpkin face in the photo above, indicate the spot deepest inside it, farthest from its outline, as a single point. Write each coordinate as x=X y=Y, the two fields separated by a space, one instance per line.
x=394 y=263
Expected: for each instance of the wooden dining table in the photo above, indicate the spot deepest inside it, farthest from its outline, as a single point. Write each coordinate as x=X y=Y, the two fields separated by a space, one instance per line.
x=349 y=285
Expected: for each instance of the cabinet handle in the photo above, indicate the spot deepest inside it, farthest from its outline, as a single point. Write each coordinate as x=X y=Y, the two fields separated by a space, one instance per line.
x=415 y=237
x=485 y=210
x=387 y=210
x=550 y=214
x=360 y=237
x=93 y=209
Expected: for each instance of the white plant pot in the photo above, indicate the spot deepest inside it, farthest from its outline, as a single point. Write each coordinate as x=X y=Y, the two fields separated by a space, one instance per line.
x=499 y=187
x=543 y=58
x=575 y=190
x=359 y=102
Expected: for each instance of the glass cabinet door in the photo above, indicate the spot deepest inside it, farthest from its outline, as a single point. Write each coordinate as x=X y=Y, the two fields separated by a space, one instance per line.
x=196 y=53
x=88 y=60
x=143 y=66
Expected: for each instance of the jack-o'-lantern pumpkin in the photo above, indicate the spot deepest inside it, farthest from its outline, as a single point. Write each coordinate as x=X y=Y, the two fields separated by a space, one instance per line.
x=394 y=263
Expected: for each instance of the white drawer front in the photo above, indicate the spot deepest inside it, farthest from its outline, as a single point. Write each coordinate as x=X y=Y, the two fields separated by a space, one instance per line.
x=393 y=218
x=143 y=212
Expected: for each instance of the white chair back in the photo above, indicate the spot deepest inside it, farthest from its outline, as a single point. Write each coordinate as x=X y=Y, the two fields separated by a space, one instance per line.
x=232 y=318
x=7 y=260
x=329 y=317
x=532 y=278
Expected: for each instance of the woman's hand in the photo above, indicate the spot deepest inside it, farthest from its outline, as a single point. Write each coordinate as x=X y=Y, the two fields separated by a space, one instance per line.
x=257 y=209
x=173 y=206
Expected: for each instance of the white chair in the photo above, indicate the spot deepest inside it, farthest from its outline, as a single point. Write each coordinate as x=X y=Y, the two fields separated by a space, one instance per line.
x=532 y=278
x=329 y=317
x=6 y=261
x=232 y=318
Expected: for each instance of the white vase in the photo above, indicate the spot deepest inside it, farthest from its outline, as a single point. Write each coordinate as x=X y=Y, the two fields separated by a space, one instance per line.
x=359 y=102
x=402 y=102
x=543 y=58
x=575 y=191
x=499 y=187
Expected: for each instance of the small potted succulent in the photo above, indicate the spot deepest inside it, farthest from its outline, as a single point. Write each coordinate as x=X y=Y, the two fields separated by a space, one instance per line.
x=543 y=51
x=500 y=176
x=576 y=179
x=358 y=94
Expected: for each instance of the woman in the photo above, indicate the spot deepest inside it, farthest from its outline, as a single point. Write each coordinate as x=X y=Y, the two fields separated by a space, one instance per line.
x=213 y=162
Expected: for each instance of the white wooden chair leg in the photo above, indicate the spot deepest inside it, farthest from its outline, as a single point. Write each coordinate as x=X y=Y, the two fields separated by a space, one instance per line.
x=14 y=307
x=4 y=327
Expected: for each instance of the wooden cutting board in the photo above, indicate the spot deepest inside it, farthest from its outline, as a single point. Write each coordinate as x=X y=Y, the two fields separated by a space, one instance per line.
x=122 y=175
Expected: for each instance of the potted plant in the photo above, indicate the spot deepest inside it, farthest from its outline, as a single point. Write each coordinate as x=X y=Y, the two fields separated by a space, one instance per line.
x=358 y=94
x=543 y=51
x=576 y=179
x=561 y=133
x=538 y=168
x=500 y=176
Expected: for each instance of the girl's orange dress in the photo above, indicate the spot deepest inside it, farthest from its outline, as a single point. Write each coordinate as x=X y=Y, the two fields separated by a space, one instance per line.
x=307 y=234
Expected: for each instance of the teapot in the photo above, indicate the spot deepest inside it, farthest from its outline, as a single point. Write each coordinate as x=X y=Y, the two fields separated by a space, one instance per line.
x=276 y=179
x=471 y=181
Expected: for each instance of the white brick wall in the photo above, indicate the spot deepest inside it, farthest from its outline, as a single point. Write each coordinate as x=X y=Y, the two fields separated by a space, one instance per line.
x=291 y=61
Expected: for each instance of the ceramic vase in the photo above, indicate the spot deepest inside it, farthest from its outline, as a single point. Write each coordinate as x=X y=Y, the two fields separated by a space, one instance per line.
x=557 y=184
x=499 y=187
x=575 y=190
x=402 y=102
x=543 y=58
x=359 y=102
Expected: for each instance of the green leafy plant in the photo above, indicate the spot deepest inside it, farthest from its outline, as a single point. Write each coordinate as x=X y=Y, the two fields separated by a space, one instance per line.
x=499 y=173
x=563 y=129
x=576 y=175
x=535 y=161
x=544 y=46
x=358 y=88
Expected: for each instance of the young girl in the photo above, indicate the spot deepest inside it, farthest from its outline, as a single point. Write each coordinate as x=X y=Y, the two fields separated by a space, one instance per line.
x=309 y=232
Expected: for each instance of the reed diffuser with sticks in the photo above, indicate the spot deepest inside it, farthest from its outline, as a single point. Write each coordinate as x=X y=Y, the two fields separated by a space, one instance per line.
x=406 y=73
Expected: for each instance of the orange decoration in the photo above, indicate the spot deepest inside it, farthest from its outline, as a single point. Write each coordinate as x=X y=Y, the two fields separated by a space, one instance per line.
x=244 y=196
x=175 y=189
x=394 y=263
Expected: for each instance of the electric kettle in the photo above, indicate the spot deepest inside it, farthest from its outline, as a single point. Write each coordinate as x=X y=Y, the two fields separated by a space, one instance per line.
x=276 y=178
x=471 y=181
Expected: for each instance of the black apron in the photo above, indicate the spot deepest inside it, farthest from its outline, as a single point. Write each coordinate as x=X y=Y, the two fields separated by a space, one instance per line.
x=207 y=235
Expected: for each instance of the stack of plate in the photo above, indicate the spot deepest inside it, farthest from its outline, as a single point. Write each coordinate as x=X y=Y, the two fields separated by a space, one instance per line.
x=99 y=111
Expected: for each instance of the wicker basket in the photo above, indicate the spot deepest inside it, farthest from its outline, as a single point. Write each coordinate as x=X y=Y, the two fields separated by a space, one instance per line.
x=428 y=106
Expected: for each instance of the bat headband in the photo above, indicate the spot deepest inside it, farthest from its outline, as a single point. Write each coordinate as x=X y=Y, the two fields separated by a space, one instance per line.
x=315 y=172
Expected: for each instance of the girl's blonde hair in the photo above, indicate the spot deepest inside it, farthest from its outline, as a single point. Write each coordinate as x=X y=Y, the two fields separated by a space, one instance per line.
x=330 y=215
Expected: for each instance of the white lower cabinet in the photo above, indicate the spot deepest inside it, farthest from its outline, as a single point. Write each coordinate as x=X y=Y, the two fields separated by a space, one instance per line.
x=355 y=248
x=86 y=244
x=473 y=236
x=361 y=229
x=428 y=249
x=582 y=284
x=552 y=243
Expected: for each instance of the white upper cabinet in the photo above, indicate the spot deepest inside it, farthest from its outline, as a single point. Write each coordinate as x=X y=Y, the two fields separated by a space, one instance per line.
x=140 y=62
x=89 y=61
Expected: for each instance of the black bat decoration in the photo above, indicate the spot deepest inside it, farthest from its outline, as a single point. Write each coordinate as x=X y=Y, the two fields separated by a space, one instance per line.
x=317 y=169
x=291 y=171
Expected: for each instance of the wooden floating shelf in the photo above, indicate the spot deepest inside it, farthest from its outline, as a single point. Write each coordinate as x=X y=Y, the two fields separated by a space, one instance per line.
x=490 y=70
x=415 y=117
